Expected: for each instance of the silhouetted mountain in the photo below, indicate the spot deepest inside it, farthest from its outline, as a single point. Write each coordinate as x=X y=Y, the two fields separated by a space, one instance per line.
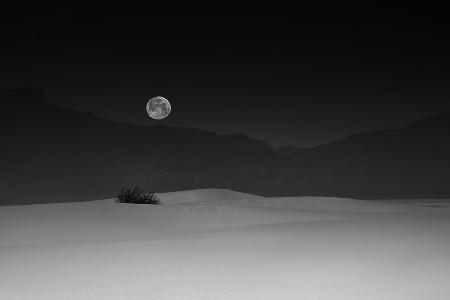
x=54 y=154
x=410 y=161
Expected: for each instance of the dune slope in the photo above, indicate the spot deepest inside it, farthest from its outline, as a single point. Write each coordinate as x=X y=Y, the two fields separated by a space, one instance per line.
x=220 y=244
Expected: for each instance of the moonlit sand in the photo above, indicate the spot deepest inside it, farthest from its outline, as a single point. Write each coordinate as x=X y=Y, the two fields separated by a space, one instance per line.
x=220 y=244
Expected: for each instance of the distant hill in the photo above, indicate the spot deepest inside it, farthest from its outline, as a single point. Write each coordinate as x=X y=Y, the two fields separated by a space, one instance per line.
x=53 y=154
x=411 y=161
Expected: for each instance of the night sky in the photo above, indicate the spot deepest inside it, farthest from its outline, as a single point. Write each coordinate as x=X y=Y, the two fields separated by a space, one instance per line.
x=303 y=76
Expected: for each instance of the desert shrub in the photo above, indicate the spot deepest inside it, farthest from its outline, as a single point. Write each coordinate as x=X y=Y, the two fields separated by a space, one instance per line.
x=137 y=195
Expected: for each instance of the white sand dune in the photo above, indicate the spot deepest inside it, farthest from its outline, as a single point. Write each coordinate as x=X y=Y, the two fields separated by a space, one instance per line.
x=205 y=195
x=221 y=244
x=105 y=220
x=227 y=197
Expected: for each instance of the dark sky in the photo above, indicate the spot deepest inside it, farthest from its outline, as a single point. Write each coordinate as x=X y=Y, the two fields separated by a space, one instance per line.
x=302 y=76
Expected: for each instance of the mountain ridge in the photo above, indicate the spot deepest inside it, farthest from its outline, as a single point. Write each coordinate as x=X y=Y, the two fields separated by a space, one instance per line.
x=53 y=152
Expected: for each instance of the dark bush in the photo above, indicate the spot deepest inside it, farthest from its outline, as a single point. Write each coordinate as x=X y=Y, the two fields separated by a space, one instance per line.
x=137 y=195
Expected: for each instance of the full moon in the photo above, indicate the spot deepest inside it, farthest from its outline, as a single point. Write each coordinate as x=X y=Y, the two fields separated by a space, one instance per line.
x=158 y=108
